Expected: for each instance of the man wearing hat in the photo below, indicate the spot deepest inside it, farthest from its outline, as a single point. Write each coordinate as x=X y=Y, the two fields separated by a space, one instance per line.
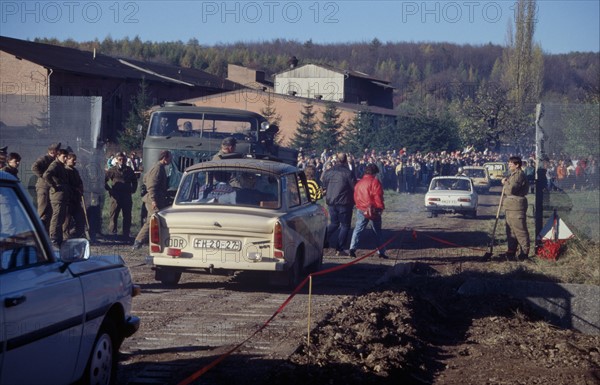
x=42 y=188
x=56 y=176
x=123 y=183
x=157 y=183
x=227 y=147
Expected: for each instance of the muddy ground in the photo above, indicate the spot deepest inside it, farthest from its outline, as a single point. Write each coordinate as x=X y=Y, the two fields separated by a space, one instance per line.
x=415 y=328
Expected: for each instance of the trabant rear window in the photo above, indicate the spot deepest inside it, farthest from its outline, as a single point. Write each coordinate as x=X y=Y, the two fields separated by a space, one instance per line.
x=230 y=187
x=450 y=184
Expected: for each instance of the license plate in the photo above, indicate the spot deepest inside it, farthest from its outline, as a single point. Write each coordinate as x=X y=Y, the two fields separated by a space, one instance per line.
x=217 y=244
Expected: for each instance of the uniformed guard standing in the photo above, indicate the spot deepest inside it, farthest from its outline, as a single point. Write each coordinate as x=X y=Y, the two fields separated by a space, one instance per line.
x=42 y=188
x=123 y=183
x=157 y=184
x=58 y=180
x=74 y=226
x=515 y=188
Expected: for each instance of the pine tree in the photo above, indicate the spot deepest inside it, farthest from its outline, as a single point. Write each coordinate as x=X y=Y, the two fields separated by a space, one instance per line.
x=328 y=135
x=132 y=136
x=358 y=134
x=304 y=137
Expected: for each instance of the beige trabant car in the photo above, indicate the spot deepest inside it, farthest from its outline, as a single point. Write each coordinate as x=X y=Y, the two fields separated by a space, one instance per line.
x=236 y=215
x=497 y=171
x=480 y=177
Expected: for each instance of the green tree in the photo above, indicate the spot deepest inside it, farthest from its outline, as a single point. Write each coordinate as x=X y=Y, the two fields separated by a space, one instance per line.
x=359 y=132
x=132 y=136
x=489 y=118
x=581 y=128
x=328 y=134
x=306 y=129
x=427 y=133
x=522 y=59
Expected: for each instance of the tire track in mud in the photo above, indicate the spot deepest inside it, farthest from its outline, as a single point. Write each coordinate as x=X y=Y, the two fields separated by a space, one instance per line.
x=186 y=327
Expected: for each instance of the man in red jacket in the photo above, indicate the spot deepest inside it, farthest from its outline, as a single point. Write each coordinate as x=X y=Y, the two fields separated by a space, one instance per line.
x=368 y=198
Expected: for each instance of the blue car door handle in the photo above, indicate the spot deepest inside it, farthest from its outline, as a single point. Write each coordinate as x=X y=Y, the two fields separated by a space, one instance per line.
x=14 y=301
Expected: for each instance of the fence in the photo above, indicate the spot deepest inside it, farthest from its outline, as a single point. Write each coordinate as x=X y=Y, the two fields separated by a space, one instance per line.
x=29 y=124
x=568 y=143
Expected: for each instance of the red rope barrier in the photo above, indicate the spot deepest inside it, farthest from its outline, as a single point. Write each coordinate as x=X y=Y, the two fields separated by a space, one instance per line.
x=219 y=359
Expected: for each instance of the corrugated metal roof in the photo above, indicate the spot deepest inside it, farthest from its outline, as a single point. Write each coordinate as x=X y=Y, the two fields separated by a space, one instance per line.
x=96 y=64
x=356 y=74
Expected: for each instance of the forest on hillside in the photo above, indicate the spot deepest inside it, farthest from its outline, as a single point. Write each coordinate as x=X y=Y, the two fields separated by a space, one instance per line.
x=408 y=66
x=446 y=95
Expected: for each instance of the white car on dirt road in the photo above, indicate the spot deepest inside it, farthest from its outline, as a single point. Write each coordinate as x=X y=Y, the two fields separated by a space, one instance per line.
x=451 y=194
x=236 y=215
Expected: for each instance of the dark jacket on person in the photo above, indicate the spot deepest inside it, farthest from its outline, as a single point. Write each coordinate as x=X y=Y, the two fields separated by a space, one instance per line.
x=39 y=167
x=123 y=180
x=338 y=183
x=56 y=176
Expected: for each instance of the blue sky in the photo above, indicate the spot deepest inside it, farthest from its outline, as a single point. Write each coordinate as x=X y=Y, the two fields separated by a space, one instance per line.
x=563 y=26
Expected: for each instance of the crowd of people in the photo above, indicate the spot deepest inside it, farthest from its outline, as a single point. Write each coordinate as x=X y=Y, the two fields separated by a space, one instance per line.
x=60 y=205
x=405 y=172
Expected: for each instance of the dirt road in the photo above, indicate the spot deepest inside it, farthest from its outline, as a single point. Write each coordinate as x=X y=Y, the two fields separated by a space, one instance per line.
x=415 y=329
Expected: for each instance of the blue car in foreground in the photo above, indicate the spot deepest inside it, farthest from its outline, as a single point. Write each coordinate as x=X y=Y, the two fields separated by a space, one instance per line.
x=63 y=313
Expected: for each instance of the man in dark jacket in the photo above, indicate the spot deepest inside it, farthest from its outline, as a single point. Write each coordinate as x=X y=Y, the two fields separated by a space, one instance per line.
x=368 y=197
x=123 y=183
x=338 y=183
x=57 y=178
x=74 y=226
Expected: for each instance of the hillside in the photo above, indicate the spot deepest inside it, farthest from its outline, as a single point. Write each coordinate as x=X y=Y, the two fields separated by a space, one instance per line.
x=408 y=66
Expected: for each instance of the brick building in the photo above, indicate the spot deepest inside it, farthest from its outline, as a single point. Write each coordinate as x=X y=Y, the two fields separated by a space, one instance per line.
x=33 y=71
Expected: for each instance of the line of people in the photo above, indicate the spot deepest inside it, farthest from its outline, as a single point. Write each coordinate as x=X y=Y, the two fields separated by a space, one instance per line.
x=344 y=192
x=59 y=191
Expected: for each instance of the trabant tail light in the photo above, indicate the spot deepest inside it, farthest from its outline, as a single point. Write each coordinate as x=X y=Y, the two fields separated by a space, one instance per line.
x=278 y=240
x=154 y=235
x=433 y=199
x=464 y=199
x=173 y=252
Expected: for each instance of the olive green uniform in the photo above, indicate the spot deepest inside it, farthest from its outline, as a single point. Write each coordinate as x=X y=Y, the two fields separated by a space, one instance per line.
x=123 y=185
x=74 y=225
x=515 y=206
x=57 y=178
x=42 y=189
x=157 y=184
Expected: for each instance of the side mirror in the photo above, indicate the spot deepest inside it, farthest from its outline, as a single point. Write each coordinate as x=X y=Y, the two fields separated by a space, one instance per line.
x=73 y=250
